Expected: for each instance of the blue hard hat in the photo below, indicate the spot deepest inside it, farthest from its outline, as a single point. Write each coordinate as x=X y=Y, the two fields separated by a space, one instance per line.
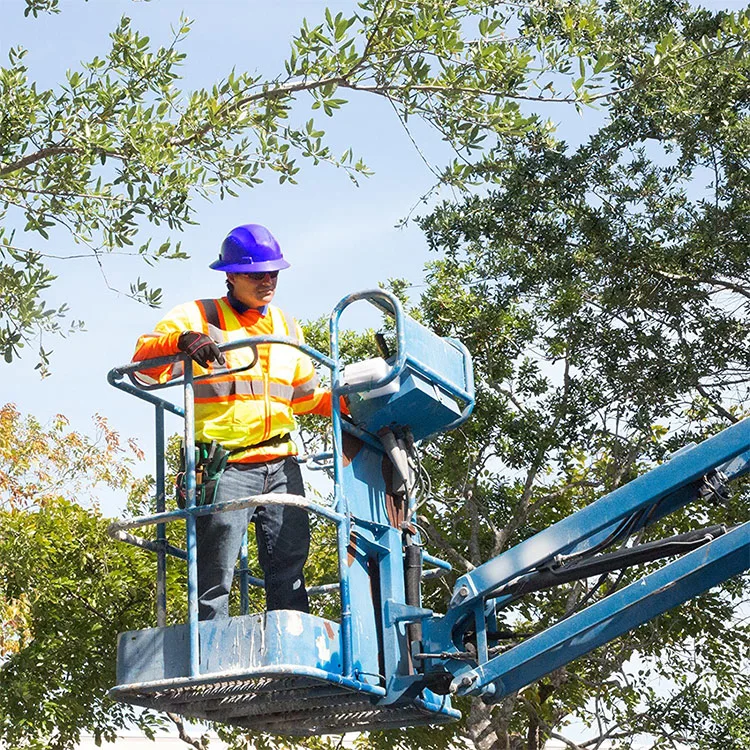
x=250 y=248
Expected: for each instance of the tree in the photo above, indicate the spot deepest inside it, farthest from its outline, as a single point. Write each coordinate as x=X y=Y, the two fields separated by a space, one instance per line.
x=602 y=291
x=119 y=150
x=66 y=589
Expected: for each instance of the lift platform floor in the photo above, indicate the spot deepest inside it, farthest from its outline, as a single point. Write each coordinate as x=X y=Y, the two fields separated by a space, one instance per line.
x=280 y=704
x=277 y=672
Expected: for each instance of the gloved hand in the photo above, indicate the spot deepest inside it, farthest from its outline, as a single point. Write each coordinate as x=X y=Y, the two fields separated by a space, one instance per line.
x=200 y=348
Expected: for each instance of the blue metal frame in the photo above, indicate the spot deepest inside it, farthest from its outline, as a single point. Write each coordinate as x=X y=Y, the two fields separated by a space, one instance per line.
x=391 y=305
x=618 y=613
x=191 y=511
x=686 y=467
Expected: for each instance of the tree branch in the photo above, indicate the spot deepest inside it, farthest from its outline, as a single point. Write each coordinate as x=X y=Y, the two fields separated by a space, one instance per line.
x=285 y=89
x=37 y=156
x=57 y=194
x=75 y=256
x=371 y=39
x=433 y=88
x=715 y=405
x=565 y=740
x=86 y=604
x=724 y=284
x=45 y=153
x=198 y=744
x=441 y=543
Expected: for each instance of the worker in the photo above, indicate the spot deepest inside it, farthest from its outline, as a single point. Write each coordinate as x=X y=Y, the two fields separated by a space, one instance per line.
x=248 y=415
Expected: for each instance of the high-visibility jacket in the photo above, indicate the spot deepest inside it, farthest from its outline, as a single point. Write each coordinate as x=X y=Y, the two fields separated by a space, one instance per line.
x=246 y=408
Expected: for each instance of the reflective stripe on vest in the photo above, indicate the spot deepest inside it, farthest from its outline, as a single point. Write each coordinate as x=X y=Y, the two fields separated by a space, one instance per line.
x=255 y=387
x=227 y=388
x=305 y=389
x=281 y=391
x=290 y=327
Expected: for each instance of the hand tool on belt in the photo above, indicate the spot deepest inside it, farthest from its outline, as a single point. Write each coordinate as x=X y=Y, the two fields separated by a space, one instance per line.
x=210 y=462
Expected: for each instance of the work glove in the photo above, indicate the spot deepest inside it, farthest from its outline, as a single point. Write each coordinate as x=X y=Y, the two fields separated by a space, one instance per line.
x=200 y=348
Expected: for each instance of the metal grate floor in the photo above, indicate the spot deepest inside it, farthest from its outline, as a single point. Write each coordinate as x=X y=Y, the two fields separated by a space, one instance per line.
x=283 y=704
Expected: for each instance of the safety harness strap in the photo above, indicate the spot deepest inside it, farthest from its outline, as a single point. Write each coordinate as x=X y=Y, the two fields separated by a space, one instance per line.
x=211 y=312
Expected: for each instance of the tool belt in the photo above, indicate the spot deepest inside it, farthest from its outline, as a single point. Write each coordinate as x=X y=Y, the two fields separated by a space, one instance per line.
x=210 y=462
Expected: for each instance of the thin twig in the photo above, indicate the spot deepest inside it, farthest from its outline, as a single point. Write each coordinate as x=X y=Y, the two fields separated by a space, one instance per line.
x=62 y=257
x=723 y=283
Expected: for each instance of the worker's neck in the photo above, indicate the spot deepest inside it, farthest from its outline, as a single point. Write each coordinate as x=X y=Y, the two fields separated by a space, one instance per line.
x=241 y=307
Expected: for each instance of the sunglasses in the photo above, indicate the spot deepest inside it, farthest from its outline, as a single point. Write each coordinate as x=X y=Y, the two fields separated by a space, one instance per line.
x=260 y=275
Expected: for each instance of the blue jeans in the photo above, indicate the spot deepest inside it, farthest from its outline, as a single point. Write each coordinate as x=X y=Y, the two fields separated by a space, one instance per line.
x=282 y=535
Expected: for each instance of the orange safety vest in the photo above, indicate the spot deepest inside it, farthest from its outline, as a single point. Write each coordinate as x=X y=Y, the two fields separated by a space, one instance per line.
x=245 y=408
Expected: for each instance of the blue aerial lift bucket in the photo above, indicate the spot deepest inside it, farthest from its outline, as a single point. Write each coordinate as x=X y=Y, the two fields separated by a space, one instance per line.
x=288 y=672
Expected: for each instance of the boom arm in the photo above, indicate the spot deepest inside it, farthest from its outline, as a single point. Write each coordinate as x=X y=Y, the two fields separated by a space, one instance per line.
x=692 y=472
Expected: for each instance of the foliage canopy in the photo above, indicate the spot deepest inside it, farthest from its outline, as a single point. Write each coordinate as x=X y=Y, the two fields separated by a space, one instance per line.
x=603 y=290
x=66 y=589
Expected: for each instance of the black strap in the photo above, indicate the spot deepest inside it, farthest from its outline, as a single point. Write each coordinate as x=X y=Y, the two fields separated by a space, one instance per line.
x=211 y=309
x=275 y=440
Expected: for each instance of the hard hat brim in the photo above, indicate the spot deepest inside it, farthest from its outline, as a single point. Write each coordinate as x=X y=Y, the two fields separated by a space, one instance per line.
x=277 y=264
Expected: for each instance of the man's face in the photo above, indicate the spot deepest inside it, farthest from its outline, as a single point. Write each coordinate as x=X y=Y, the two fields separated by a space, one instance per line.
x=254 y=289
